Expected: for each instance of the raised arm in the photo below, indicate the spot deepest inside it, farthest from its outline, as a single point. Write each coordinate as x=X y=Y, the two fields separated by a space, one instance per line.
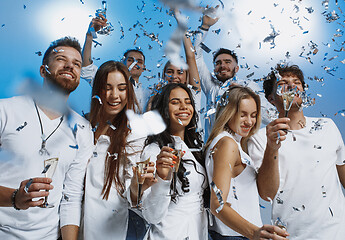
x=204 y=73
x=96 y=24
x=194 y=78
x=268 y=174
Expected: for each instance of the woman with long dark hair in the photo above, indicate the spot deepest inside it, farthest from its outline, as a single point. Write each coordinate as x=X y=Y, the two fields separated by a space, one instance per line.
x=180 y=216
x=108 y=186
x=235 y=183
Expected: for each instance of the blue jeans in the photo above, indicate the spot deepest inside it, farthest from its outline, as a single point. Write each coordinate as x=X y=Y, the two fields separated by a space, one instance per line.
x=136 y=226
x=217 y=236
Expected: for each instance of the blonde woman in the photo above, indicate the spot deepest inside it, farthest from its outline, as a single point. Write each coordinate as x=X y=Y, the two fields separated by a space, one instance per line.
x=235 y=183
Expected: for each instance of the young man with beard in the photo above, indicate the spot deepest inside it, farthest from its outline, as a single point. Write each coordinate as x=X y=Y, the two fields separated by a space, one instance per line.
x=311 y=157
x=134 y=59
x=34 y=130
x=226 y=66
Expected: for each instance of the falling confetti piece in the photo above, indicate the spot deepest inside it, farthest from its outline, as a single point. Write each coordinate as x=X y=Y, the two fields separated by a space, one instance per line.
x=98 y=98
x=218 y=193
x=149 y=123
x=180 y=122
x=205 y=48
x=111 y=125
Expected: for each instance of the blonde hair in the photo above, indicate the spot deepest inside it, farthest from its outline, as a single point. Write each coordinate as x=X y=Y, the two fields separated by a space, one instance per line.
x=230 y=110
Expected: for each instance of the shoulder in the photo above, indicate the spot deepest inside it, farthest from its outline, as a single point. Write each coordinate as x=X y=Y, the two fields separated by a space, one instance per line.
x=226 y=145
x=24 y=100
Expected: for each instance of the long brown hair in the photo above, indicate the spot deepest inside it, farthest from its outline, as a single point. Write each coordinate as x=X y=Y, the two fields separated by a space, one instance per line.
x=117 y=152
x=229 y=112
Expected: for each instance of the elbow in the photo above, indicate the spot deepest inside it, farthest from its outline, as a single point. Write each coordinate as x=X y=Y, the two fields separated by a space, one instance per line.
x=269 y=195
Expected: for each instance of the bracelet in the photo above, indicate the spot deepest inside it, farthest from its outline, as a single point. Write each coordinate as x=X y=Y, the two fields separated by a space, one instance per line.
x=202 y=28
x=13 y=198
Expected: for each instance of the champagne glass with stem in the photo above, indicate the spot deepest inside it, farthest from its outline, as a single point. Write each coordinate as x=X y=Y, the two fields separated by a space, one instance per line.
x=48 y=171
x=177 y=151
x=141 y=169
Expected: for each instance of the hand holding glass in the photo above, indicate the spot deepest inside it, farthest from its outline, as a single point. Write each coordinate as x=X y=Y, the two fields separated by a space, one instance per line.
x=48 y=171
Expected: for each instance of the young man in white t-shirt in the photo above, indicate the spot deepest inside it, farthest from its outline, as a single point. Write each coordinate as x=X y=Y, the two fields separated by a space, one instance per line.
x=311 y=154
x=34 y=130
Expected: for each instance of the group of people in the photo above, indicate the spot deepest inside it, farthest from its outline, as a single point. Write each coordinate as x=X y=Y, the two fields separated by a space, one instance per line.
x=295 y=162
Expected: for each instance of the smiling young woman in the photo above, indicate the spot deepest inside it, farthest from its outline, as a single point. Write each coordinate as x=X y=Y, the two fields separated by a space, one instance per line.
x=231 y=170
x=108 y=180
x=180 y=215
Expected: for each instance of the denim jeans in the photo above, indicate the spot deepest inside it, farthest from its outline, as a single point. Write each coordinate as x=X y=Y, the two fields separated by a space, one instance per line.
x=217 y=236
x=136 y=227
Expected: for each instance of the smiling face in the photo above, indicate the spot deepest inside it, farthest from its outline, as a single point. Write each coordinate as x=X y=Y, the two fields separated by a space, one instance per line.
x=180 y=109
x=115 y=94
x=225 y=67
x=63 y=68
x=174 y=74
x=245 y=118
x=139 y=67
x=287 y=82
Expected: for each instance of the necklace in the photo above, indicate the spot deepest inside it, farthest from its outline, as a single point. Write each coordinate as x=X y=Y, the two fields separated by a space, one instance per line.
x=302 y=123
x=43 y=149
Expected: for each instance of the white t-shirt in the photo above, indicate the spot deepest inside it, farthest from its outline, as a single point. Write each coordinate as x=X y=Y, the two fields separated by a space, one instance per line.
x=108 y=219
x=309 y=200
x=243 y=193
x=20 y=137
x=185 y=219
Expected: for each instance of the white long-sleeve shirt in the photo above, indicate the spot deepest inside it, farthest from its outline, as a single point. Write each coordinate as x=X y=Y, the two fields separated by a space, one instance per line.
x=214 y=89
x=20 y=138
x=185 y=219
x=143 y=95
x=108 y=219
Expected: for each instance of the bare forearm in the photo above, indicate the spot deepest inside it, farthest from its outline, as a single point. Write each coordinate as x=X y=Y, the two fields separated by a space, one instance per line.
x=236 y=222
x=6 y=196
x=268 y=175
x=341 y=174
x=69 y=232
x=87 y=50
x=194 y=78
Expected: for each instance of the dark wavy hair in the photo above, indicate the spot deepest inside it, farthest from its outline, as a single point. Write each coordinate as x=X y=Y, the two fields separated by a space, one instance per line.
x=191 y=137
x=118 y=140
x=284 y=71
x=61 y=42
x=225 y=51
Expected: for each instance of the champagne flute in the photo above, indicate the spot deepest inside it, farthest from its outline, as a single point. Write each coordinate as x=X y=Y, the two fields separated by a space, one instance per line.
x=48 y=171
x=288 y=97
x=107 y=29
x=140 y=170
x=177 y=152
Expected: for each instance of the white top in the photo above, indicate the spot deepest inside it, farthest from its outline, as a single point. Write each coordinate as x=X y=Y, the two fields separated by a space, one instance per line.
x=20 y=136
x=143 y=95
x=108 y=219
x=243 y=193
x=310 y=199
x=214 y=89
x=185 y=219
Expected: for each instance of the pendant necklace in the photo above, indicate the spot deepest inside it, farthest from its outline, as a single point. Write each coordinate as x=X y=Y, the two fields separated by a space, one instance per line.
x=43 y=149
